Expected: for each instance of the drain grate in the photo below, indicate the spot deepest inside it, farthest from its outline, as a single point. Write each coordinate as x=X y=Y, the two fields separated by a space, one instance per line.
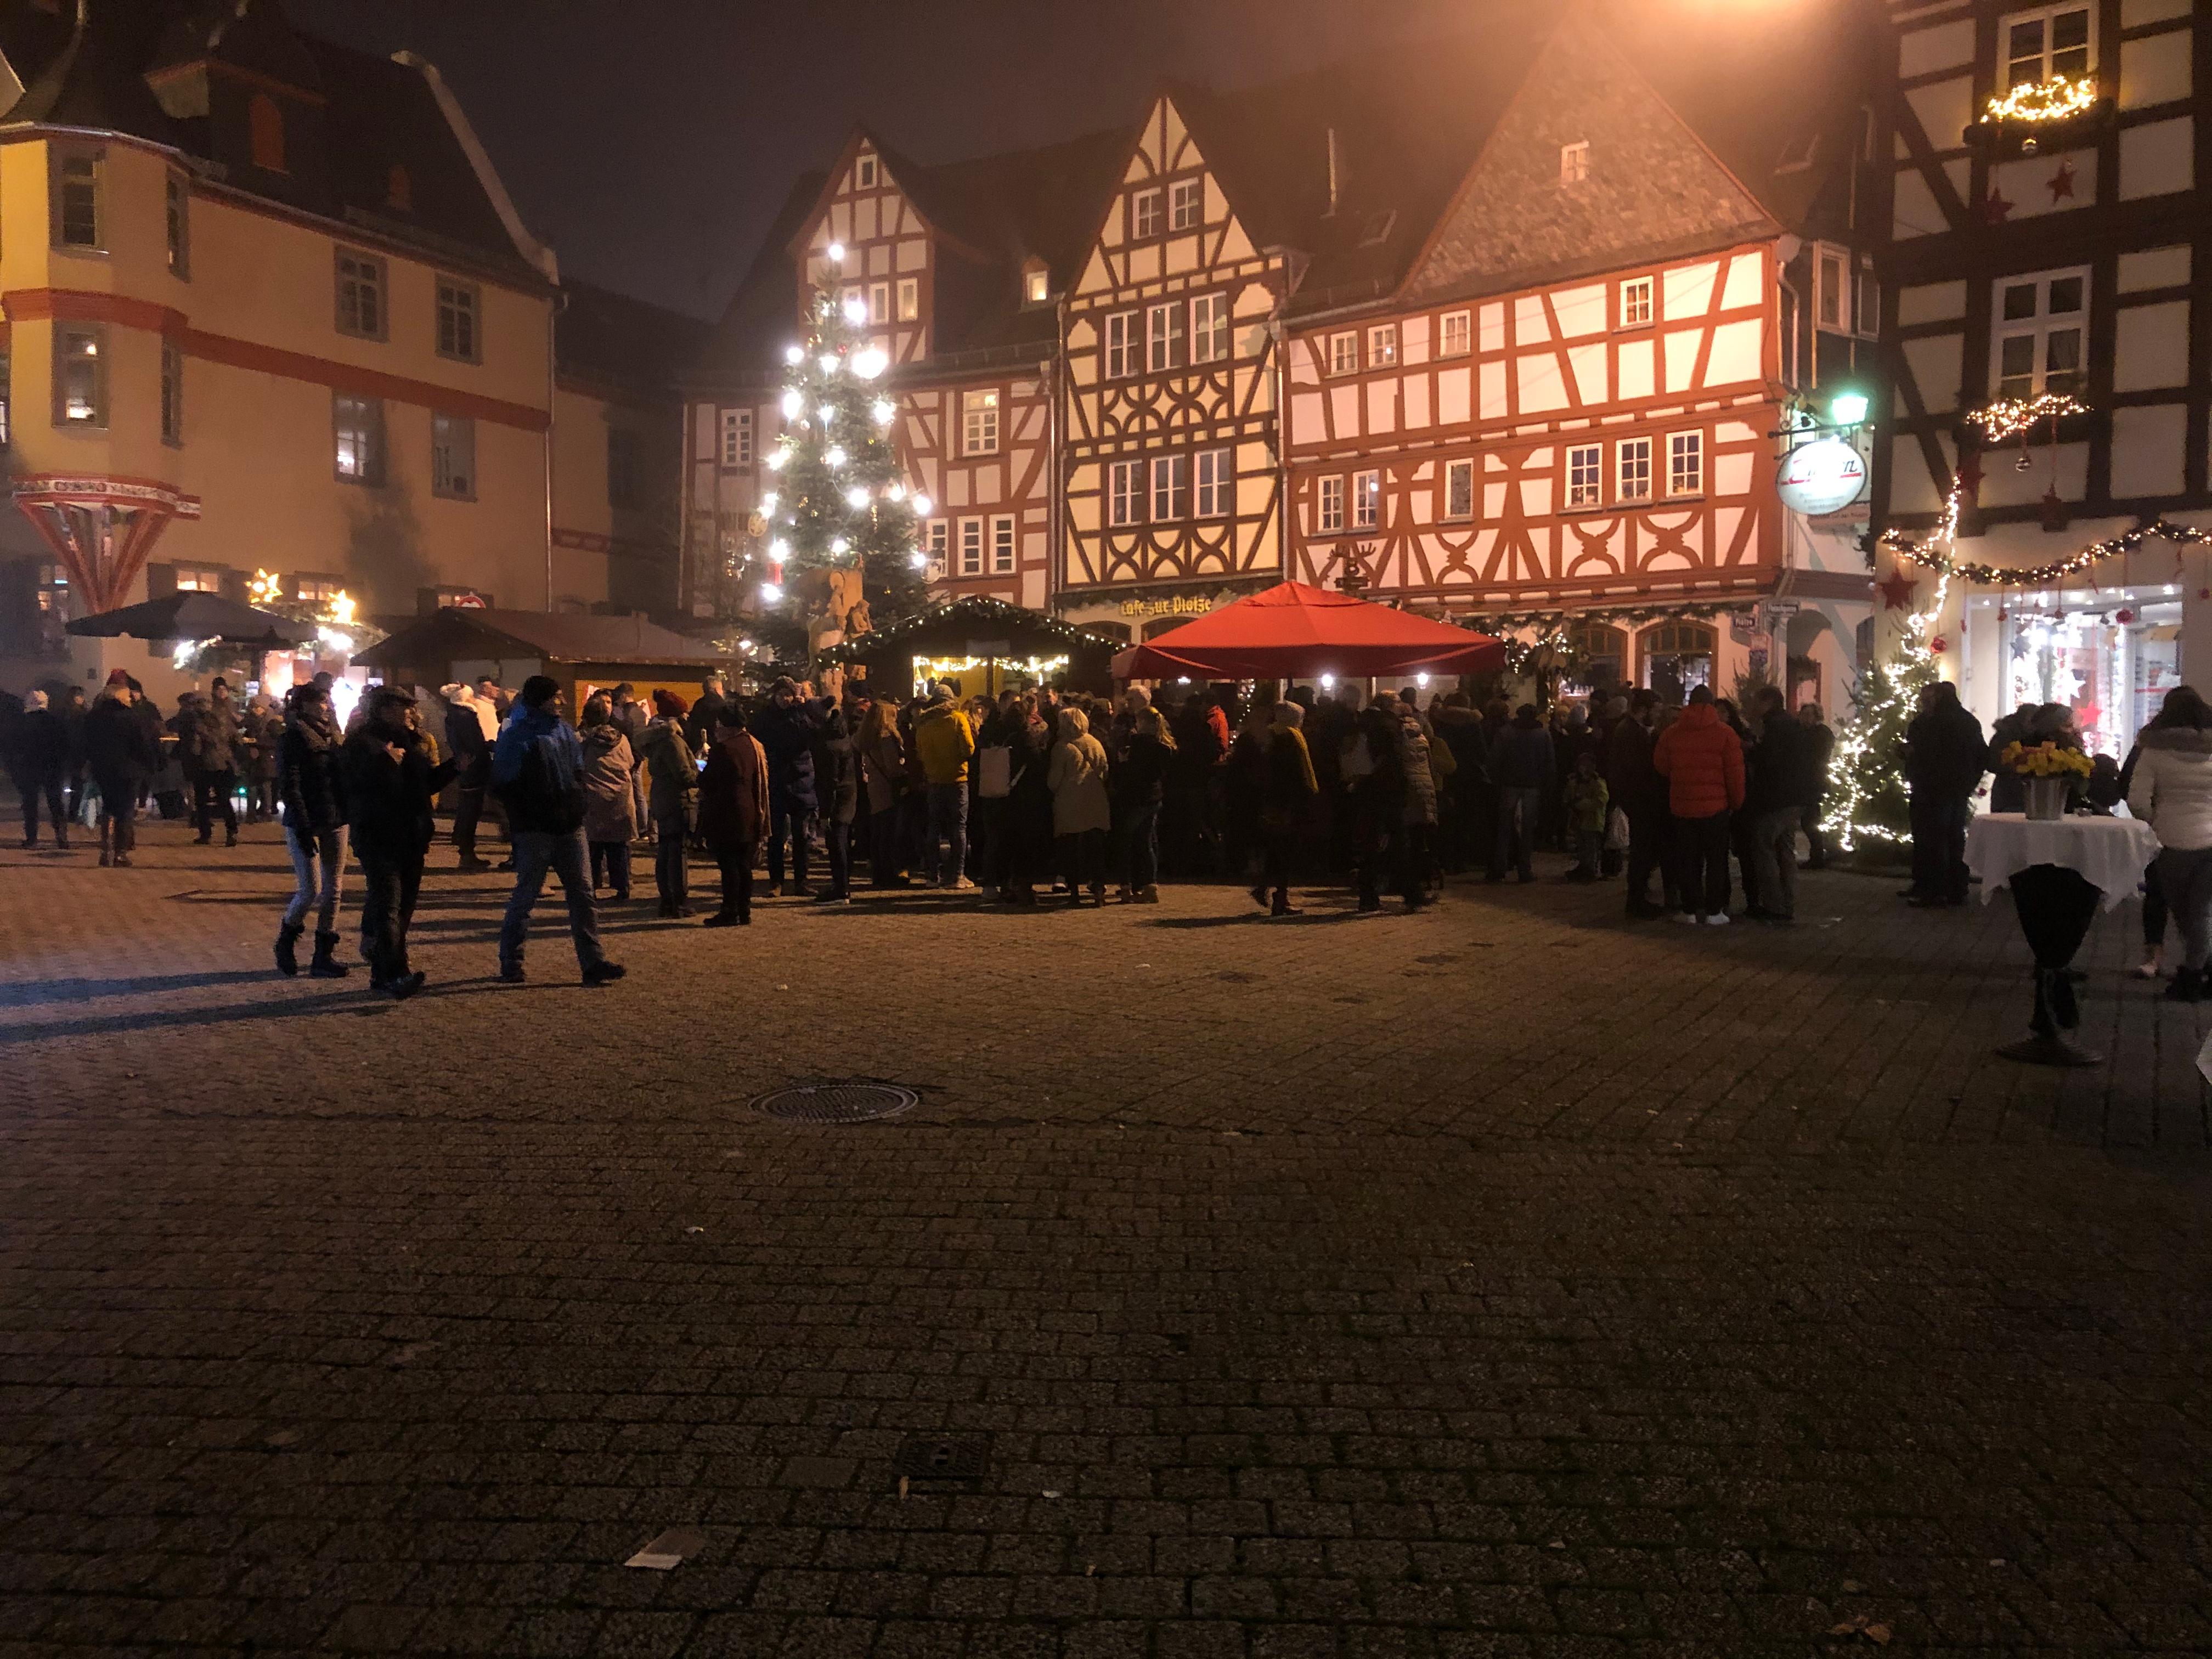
x=837 y=1103
x=943 y=1457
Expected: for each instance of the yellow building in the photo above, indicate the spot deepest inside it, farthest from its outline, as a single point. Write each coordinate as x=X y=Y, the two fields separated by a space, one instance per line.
x=268 y=307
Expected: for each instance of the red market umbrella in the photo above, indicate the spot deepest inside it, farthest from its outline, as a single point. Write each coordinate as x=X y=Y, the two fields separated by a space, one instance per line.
x=1294 y=631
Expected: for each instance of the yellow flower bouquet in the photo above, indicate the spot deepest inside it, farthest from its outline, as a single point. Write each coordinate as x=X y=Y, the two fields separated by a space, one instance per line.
x=2044 y=760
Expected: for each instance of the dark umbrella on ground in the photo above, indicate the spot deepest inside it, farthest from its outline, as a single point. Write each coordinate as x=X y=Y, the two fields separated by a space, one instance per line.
x=198 y=617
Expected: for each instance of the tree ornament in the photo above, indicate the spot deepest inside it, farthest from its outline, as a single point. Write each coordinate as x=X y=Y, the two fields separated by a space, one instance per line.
x=2124 y=618
x=1939 y=645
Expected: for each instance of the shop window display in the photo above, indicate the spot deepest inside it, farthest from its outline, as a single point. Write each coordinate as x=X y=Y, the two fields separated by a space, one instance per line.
x=2111 y=658
x=1678 y=658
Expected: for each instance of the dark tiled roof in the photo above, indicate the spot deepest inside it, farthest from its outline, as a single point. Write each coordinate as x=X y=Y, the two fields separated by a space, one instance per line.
x=763 y=316
x=611 y=339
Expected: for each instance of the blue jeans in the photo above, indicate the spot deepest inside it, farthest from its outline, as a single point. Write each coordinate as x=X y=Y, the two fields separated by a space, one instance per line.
x=1141 y=846
x=948 y=821
x=785 y=820
x=313 y=854
x=536 y=852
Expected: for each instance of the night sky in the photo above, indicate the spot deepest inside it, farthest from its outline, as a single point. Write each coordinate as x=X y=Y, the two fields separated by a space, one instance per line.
x=651 y=141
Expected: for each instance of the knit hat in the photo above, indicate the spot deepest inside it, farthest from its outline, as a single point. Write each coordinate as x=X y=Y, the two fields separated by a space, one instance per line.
x=119 y=677
x=540 y=690
x=940 y=693
x=669 y=706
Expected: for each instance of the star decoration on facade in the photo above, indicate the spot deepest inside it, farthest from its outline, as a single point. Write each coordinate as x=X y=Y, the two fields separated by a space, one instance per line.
x=1994 y=207
x=2061 y=183
x=1897 y=592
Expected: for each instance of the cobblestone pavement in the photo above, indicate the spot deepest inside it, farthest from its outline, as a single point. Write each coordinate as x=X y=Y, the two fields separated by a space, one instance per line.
x=1504 y=1280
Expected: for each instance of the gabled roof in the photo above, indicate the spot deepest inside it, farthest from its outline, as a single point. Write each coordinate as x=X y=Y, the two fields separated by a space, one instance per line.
x=763 y=316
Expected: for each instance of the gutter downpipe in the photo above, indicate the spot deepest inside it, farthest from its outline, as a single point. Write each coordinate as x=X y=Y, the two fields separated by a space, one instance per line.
x=560 y=303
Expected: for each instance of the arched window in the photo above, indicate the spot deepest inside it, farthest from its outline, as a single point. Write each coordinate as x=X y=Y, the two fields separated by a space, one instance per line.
x=1678 y=658
x=399 y=191
x=1600 y=654
x=265 y=124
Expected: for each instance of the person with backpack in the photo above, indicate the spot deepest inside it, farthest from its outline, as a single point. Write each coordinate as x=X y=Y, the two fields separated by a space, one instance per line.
x=537 y=769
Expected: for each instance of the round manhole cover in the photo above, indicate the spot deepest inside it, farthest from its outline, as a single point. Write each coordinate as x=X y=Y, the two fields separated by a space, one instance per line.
x=837 y=1103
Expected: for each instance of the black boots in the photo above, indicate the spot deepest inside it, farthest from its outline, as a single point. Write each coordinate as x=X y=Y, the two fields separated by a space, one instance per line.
x=287 y=941
x=2188 y=986
x=325 y=964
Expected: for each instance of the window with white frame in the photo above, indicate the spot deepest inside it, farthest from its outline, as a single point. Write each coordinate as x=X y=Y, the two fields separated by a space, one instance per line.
x=1186 y=203
x=2041 y=324
x=737 y=437
x=1366 y=499
x=79 y=221
x=1170 y=487
x=2046 y=43
x=80 y=375
x=1636 y=302
x=1209 y=328
x=979 y=422
x=1217 y=483
x=864 y=173
x=198 y=579
x=938 y=540
x=1002 y=545
x=909 y=299
x=1585 y=474
x=1037 y=285
x=1144 y=213
x=360 y=295
x=1686 y=463
x=357 y=432
x=1382 y=345
x=1125 y=494
x=1831 y=288
x=1344 y=353
x=460 y=329
x=879 y=302
x=971 y=547
x=1328 y=519
x=1121 y=346
x=1459 y=490
x=1164 y=340
x=1631 y=474
x=1574 y=162
x=453 y=456
x=1455 y=334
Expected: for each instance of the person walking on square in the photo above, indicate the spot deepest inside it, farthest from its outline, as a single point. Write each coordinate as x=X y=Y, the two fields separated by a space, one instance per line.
x=734 y=812
x=2171 y=789
x=610 y=796
x=311 y=788
x=122 y=752
x=1702 y=760
x=943 y=742
x=390 y=784
x=1945 y=756
x=471 y=724
x=671 y=779
x=38 y=760
x=537 y=767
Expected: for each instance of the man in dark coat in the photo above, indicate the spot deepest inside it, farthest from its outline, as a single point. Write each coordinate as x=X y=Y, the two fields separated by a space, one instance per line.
x=787 y=730
x=699 y=725
x=122 y=754
x=1821 y=749
x=537 y=767
x=1780 y=778
x=390 y=784
x=471 y=752
x=1521 y=765
x=1635 y=787
x=1945 y=754
x=38 y=756
x=214 y=739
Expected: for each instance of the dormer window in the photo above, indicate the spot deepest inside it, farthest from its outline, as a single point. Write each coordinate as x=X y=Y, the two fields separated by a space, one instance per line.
x=264 y=131
x=864 y=173
x=1037 y=285
x=1574 y=163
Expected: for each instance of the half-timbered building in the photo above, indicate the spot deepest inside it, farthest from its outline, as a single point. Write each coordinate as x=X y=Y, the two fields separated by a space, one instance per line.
x=2048 y=234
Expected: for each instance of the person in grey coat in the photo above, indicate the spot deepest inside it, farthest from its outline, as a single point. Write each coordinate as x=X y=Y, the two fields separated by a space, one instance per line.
x=610 y=797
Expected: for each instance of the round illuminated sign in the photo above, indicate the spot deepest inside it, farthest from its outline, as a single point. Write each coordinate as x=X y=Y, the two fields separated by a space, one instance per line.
x=1821 y=477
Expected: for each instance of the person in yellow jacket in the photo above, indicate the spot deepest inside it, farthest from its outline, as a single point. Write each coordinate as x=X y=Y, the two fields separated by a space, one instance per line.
x=944 y=739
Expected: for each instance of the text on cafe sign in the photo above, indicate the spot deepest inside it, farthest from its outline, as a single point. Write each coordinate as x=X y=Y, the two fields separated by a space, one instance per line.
x=1825 y=476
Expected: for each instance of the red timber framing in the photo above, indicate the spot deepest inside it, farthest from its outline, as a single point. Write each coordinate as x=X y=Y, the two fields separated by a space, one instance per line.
x=1584 y=445
x=102 y=529
x=980 y=450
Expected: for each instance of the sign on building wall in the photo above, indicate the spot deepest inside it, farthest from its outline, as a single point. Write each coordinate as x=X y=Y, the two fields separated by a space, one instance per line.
x=1825 y=476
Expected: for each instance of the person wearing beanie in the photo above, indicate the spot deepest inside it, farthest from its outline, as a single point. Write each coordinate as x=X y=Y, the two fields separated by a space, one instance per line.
x=671 y=775
x=537 y=767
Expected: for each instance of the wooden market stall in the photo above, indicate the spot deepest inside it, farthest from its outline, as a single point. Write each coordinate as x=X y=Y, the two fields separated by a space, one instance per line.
x=585 y=654
x=981 y=647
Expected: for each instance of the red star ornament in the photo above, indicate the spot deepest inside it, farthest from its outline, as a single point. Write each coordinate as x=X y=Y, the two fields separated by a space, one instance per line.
x=1994 y=207
x=1897 y=592
x=2061 y=183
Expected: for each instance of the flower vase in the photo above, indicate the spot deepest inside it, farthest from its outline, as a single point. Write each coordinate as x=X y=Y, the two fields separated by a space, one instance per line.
x=2046 y=799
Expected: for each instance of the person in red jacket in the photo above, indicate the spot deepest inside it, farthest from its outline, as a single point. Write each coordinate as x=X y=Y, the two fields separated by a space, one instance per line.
x=1702 y=760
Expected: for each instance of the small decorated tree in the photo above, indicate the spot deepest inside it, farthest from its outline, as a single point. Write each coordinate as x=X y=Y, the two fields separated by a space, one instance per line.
x=839 y=502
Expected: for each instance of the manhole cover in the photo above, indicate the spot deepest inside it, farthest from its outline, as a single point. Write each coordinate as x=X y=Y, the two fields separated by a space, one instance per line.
x=837 y=1103
x=943 y=1457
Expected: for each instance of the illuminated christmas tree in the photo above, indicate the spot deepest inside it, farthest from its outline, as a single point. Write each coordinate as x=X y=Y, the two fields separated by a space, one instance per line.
x=1868 y=799
x=839 y=501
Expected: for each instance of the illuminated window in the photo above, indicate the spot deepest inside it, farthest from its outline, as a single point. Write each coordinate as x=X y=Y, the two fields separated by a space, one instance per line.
x=198 y=579
x=1632 y=470
x=460 y=334
x=1686 y=463
x=737 y=437
x=357 y=427
x=81 y=376
x=1382 y=345
x=1186 y=203
x=1459 y=490
x=1145 y=208
x=1036 y=286
x=1585 y=474
x=2047 y=42
x=1454 y=337
x=1329 y=521
x=1125 y=498
x=1366 y=499
x=2039 y=330
x=1170 y=487
x=1636 y=302
x=979 y=422
x=971 y=547
x=453 y=456
x=265 y=124
x=1163 y=341
x=1002 y=545
x=173 y=393
x=360 y=295
x=76 y=188
x=1344 y=353
x=317 y=590
x=1217 y=483
x=1209 y=328
x=1574 y=162
x=177 y=214
x=909 y=299
x=1121 y=346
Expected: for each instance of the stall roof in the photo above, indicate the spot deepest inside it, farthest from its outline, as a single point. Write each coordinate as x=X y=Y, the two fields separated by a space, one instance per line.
x=973 y=618
x=458 y=632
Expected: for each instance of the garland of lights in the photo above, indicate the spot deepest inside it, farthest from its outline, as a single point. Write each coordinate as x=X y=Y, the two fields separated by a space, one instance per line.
x=1634 y=614
x=2044 y=575
x=982 y=607
x=2008 y=417
x=2054 y=99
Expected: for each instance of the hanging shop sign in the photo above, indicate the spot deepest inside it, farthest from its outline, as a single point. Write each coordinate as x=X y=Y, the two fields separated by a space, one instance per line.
x=1822 y=476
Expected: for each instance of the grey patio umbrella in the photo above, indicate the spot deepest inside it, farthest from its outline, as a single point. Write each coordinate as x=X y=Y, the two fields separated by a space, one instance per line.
x=198 y=617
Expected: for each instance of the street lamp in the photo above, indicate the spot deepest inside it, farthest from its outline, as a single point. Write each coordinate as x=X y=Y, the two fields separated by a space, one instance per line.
x=1848 y=409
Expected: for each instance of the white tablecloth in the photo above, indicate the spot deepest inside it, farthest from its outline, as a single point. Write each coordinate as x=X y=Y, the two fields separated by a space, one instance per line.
x=2110 y=854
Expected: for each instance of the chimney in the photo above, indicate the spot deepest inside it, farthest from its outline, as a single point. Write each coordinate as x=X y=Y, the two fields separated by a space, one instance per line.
x=1334 y=175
